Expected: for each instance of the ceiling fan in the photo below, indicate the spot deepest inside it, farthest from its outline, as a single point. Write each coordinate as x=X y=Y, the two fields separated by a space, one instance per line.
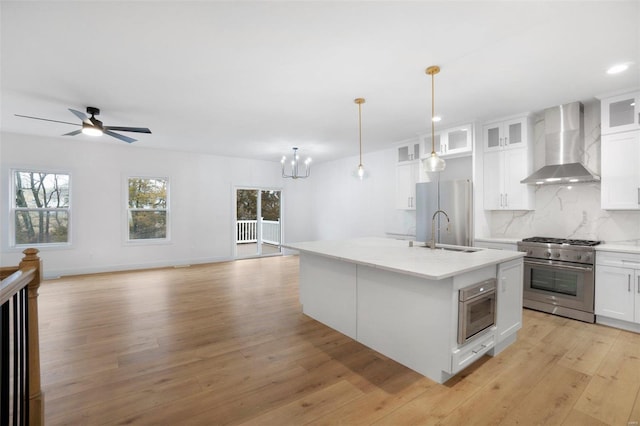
x=94 y=127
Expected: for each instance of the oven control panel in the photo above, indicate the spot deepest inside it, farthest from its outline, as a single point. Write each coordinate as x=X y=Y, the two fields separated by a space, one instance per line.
x=573 y=254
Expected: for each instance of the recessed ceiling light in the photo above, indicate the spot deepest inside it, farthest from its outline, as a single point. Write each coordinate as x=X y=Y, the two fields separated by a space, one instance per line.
x=616 y=69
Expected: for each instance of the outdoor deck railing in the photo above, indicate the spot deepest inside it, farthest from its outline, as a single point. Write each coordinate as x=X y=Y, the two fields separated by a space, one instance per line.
x=21 y=399
x=247 y=231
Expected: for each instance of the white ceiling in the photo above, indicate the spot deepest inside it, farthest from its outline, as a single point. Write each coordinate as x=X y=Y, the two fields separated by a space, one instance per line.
x=255 y=79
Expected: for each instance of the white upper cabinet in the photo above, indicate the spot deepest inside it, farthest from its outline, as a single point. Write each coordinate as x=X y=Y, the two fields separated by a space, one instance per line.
x=409 y=151
x=620 y=175
x=408 y=170
x=620 y=113
x=506 y=134
x=451 y=142
x=507 y=160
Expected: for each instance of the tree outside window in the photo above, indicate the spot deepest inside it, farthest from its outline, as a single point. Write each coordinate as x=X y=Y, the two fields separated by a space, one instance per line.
x=40 y=208
x=147 y=205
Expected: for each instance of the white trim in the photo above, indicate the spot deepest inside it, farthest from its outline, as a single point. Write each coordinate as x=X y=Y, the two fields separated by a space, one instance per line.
x=146 y=241
x=12 y=208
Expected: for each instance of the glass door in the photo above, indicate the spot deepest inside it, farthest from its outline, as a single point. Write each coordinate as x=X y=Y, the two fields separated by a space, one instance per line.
x=258 y=226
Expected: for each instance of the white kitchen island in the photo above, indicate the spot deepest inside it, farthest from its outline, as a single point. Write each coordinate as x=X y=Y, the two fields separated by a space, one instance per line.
x=402 y=301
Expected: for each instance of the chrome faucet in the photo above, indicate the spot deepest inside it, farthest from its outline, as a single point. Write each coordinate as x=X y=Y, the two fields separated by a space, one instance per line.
x=432 y=243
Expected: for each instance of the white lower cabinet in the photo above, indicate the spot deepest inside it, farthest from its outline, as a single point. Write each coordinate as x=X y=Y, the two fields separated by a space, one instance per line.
x=509 y=299
x=617 y=294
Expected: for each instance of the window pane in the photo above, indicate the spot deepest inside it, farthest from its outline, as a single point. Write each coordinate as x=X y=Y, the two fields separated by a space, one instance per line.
x=145 y=225
x=41 y=226
x=147 y=193
x=41 y=190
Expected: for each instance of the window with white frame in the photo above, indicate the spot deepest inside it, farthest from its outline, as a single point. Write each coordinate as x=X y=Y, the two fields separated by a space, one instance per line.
x=147 y=204
x=40 y=208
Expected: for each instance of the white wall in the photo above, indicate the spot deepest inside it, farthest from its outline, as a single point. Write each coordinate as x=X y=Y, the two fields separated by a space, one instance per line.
x=333 y=203
x=201 y=208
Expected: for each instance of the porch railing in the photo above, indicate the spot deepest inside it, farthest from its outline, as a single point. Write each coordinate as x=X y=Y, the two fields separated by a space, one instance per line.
x=21 y=399
x=247 y=231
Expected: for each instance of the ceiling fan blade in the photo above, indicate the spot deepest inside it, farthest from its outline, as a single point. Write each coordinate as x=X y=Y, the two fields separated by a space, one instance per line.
x=123 y=138
x=128 y=129
x=46 y=119
x=75 y=132
x=81 y=115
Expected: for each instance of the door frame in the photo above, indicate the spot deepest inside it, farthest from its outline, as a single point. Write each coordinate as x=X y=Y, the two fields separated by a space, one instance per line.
x=234 y=217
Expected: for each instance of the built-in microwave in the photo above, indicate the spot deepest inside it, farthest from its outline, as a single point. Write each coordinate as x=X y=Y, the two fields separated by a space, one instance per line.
x=476 y=309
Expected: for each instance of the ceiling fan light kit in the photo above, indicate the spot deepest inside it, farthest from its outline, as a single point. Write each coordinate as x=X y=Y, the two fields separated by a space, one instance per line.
x=93 y=127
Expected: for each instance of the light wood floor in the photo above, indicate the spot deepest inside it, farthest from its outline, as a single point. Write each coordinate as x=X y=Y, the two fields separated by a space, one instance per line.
x=227 y=344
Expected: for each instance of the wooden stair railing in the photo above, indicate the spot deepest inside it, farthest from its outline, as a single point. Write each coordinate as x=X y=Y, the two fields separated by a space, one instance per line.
x=19 y=294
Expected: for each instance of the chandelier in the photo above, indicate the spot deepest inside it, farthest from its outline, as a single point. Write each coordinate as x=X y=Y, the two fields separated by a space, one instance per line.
x=295 y=172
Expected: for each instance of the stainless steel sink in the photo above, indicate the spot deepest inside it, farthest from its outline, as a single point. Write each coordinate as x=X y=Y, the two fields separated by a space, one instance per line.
x=458 y=249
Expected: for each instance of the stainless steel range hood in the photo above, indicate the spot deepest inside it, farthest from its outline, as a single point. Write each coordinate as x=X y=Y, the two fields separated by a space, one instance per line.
x=564 y=147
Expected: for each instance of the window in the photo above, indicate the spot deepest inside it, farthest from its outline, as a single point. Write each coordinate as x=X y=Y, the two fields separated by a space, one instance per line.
x=147 y=208
x=40 y=208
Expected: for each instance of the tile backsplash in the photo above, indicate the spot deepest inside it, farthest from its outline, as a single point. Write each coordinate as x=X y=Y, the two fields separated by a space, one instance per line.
x=569 y=211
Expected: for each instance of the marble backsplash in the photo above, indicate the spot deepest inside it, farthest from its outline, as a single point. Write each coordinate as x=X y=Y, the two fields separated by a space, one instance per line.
x=564 y=211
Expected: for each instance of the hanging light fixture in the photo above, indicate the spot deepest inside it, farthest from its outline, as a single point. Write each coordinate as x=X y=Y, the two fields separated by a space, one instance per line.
x=360 y=101
x=433 y=163
x=294 y=167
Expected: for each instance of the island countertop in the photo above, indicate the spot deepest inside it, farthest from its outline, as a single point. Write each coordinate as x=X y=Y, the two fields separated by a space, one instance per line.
x=398 y=256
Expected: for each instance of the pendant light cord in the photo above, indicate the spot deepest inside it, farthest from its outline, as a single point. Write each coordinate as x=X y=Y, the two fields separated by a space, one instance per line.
x=433 y=114
x=360 y=129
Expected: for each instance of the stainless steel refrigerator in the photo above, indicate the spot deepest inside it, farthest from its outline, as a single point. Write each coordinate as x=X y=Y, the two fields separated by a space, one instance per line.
x=452 y=196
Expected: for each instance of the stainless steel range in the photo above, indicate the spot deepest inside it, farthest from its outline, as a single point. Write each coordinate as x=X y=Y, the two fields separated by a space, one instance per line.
x=559 y=276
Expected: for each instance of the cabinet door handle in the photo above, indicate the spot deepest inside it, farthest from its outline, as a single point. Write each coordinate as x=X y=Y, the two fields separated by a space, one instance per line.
x=506 y=140
x=638 y=284
x=629 y=283
x=639 y=195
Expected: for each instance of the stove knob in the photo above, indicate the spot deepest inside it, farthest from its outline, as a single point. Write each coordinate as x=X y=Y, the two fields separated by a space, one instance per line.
x=578 y=257
x=556 y=255
x=548 y=254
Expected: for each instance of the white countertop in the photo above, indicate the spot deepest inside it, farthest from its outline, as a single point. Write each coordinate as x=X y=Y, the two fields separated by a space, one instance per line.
x=397 y=256
x=629 y=246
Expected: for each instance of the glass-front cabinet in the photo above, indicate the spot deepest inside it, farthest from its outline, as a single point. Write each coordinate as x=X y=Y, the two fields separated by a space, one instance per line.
x=409 y=151
x=505 y=134
x=451 y=142
x=620 y=113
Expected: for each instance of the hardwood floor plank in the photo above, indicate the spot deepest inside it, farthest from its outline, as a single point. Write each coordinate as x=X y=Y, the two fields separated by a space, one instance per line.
x=551 y=399
x=310 y=407
x=227 y=343
x=609 y=399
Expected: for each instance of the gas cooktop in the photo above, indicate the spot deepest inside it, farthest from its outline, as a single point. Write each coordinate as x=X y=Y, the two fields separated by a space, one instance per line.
x=571 y=242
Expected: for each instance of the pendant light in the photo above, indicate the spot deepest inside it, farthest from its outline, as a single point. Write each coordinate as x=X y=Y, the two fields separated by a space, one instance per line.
x=360 y=101
x=433 y=163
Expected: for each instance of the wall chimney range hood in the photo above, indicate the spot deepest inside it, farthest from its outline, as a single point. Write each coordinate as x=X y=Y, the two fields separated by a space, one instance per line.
x=564 y=147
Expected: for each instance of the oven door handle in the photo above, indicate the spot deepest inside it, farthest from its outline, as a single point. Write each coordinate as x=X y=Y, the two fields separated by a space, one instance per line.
x=559 y=265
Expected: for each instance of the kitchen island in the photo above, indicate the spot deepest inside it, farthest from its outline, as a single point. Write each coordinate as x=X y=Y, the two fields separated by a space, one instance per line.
x=402 y=300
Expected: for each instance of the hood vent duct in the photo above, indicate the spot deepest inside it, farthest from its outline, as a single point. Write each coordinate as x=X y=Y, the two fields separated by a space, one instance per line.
x=564 y=147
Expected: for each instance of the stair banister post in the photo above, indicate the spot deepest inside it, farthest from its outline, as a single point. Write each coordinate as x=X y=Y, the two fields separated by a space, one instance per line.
x=36 y=399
